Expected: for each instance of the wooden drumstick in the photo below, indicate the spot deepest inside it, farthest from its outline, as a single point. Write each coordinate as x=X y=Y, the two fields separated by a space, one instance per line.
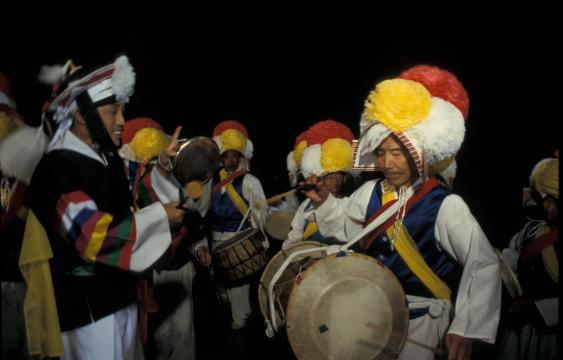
x=274 y=199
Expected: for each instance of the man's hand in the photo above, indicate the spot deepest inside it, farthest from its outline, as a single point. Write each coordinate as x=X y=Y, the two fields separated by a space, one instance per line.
x=203 y=256
x=459 y=348
x=318 y=195
x=165 y=158
x=175 y=216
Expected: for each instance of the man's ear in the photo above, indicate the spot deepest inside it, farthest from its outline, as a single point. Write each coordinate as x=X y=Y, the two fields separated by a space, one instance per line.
x=79 y=118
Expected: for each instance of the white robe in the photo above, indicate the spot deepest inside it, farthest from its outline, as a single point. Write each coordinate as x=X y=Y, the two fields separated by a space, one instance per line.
x=477 y=305
x=253 y=193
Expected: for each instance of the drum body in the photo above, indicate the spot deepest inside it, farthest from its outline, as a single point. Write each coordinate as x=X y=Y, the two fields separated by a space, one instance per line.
x=347 y=306
x=278 y=224
x=285 y=283
x=241 y=256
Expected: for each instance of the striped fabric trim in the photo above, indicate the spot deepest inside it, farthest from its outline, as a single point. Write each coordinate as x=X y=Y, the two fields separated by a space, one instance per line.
x=101 y=90
x=93 y=233
x=146 y=194
x=412 y=150
x=65 y=96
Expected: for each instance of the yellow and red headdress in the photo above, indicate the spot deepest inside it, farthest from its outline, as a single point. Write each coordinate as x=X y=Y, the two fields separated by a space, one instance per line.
x=425 y=108
x=143 y=139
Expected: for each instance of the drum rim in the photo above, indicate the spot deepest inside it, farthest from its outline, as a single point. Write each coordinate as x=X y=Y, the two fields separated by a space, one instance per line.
x=318 y=263
x=234 y=239
x=262 y=287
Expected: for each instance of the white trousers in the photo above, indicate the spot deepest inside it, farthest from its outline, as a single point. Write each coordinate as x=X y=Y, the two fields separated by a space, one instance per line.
x=428 y=329
x=175 y=336
x=238 y=296
x=114 y=337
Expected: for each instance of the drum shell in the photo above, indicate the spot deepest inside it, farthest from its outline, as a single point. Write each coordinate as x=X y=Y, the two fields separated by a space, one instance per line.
x=286 y=282
x=238 y=258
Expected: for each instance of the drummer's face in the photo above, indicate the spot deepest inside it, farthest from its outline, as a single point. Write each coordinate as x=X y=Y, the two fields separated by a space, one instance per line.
x=393 y=161
x=230 y=160
x=334 y=182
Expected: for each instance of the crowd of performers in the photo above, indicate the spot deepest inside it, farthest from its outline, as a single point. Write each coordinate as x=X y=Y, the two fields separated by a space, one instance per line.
x=106 y=222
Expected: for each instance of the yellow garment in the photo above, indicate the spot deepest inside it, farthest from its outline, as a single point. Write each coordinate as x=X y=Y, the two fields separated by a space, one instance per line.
x=233 y=194
x=551 y=262
x=310 y=230
x=407 y=250
x=40 y=310
x=545 y=177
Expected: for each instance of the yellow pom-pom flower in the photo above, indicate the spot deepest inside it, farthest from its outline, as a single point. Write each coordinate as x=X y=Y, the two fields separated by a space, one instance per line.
x=336 y=155
x=398 y=104
x=233 y=140
x=7 y=125
x=298 y=152
x=149 y=143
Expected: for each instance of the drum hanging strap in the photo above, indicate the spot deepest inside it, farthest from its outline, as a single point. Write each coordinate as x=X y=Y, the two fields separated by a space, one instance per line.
x=233 y=194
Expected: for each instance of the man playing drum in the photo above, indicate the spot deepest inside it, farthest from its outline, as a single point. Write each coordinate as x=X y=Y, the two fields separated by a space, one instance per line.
x=432 y=243
x=237 y=202
x=328 y=155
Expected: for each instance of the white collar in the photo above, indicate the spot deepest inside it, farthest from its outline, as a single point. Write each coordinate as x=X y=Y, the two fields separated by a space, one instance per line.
x=69 y=141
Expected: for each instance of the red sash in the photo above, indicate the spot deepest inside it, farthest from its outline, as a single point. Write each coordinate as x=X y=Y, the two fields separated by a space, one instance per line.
x=536 y=246
x=227 y=180
x=422 y=192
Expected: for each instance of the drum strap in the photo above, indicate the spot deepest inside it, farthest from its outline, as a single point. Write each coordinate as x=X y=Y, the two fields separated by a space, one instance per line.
x=226 y=179
x=408 y=251
x=233 y=193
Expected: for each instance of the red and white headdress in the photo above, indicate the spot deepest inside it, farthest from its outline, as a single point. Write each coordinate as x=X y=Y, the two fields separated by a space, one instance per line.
x=108 y=84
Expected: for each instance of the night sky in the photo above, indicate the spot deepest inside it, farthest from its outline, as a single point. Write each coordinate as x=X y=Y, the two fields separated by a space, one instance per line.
x=280 y=69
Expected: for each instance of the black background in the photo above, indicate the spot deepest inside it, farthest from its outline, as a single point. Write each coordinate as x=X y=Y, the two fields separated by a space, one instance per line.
x=281 y=68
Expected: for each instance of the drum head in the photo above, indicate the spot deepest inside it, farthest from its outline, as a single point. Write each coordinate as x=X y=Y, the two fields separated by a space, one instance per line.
x=347 y=307
x=278 y=224
x=273 y=266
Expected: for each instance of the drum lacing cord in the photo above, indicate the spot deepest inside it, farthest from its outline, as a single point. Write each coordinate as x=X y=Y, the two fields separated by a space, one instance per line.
x=400 y=214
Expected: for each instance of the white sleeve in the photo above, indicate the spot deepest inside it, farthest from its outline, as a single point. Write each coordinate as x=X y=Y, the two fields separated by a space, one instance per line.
x=297 y=226
x=477 y=306
x=343 y=218
x=152 y=236
x=254 y=194
x=512 y=252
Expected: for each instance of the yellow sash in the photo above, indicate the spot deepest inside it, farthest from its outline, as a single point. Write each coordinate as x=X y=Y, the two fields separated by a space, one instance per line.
x=233 y=194
x=40 y=310
x=407 y=250
x=551 y=262
x=310 y=230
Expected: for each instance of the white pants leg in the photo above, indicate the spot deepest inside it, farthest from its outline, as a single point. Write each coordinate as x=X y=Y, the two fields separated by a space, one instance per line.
x=175 y=336
x=240 y=302
x=114 y=337
x=428 y=329
x=13 y=330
